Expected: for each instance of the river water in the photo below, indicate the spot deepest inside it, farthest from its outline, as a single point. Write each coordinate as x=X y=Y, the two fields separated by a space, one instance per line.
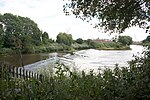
x=100 y=59
x=81 y=60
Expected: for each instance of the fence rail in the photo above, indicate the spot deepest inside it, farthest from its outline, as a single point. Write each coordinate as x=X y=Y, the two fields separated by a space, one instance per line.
x=7 y=71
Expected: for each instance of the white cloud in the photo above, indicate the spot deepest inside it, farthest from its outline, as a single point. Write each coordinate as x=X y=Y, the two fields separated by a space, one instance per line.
x=49 y=16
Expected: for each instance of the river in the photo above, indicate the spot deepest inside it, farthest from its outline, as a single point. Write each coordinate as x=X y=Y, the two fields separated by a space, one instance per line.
x=15 y=60
x=101 y=59
x=82 y=60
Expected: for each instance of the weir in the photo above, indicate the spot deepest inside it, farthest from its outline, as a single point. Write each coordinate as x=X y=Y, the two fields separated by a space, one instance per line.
x=90 y=59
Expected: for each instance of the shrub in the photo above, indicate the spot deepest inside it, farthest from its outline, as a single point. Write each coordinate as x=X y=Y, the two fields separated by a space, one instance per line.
x=6 y=51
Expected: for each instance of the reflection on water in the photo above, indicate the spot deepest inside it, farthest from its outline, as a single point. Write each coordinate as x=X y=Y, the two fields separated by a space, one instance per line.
x=27 y=58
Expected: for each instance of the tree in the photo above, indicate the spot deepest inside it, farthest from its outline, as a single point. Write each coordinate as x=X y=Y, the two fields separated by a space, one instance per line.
x=88 y=41
x=79 y=40
x=125 y=40
x=1 y=35
x=1 y=42
x=18 y=27
x=113 y=15
x=27 y=45
x=45 y=38
x=51 y=40
x=147 y=40
x=64 y=38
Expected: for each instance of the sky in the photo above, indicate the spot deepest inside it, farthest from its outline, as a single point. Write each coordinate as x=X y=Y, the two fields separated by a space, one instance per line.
x=49 y=16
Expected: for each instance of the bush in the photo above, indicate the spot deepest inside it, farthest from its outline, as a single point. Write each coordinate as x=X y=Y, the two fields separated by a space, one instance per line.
x=6 y=51
x=28 y=49
x=79 y=40
x=80 y=46
x=39 y=49
x=125 y=40
x=110 y=44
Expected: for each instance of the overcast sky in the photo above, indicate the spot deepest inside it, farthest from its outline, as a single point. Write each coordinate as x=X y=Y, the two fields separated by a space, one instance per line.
x=49 y=16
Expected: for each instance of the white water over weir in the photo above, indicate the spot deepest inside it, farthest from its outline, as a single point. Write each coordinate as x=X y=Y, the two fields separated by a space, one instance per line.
x=90 y=59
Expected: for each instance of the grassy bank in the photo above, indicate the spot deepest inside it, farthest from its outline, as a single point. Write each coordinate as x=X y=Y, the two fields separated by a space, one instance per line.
x=110 y=46
x=55 y=47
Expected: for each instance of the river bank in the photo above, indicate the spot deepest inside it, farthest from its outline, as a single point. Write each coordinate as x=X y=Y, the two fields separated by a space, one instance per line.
x=62 y=48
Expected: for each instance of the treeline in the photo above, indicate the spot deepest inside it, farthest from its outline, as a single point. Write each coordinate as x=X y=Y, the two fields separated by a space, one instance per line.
x=22 y=34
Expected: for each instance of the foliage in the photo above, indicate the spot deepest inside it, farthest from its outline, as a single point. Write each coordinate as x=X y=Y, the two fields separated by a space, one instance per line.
x=80 y=46
x=106 y=45
x=79 y=40
x=88 y=41
x=45 y=38
x=6 y=51
x=64 y=38
x=53 y=47
x=22 y=34
x=18 y=32
x=125 y=40
x=1 y=42
x=127 y=83
x=113 y=15
x=147 y=40
x=1 y=36
x=51 y=40
x=27 y=45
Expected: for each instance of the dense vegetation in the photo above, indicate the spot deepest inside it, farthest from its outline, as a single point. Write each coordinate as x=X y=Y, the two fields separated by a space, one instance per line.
x=125 y=40
x=64 y=38
x=21 y=34
x=147 y=39
x=127 y=83
x=18 y=32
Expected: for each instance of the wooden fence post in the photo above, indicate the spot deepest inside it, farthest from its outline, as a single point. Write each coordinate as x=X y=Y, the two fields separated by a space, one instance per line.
x=26 y=74
x=40 y=77
x=23 y=73
x=35 y=75
x=17 y=72
x=29 y=74
x=32 y=74
x=20 y=72
x=13 y=71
